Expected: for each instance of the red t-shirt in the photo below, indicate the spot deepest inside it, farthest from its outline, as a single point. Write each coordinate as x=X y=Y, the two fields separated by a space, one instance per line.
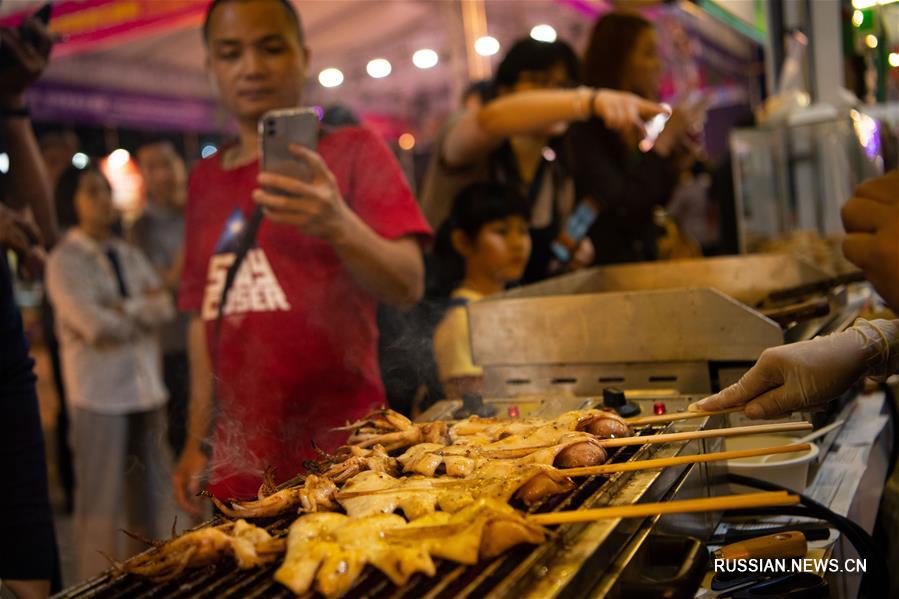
x=297 y=354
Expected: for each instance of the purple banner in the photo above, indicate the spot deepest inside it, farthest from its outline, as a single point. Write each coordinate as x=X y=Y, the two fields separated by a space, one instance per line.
x=55 y=102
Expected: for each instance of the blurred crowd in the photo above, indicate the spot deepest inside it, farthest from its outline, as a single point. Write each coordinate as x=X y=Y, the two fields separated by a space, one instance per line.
x=353 y=293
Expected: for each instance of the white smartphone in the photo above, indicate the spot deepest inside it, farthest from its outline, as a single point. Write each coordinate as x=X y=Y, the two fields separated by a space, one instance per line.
x=653 y=128
x=280 y=128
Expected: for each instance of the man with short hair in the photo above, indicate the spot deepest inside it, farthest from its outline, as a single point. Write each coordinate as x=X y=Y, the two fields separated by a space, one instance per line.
x=295 y=354
x=159 y=233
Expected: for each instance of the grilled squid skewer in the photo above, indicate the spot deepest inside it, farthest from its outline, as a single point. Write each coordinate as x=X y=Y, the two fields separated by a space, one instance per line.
x=316 y=493
x=547 y=445
x=417 y=497
x=501 y=480
x=327 y=552
x=394 y=431
x=248 y=545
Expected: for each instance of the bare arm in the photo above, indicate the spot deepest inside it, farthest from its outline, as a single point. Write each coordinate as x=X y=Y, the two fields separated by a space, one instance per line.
x=187 y=476
x=200 y=414
x=171 y=276
x=392 y=271
x=29 y=180
x=474 y=134
x=28 y=176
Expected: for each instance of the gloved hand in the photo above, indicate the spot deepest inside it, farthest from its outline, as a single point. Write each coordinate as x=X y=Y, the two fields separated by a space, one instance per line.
x=802 y=375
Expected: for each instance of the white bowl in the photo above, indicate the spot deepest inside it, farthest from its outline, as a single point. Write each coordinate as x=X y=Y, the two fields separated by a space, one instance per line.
x=789 y=470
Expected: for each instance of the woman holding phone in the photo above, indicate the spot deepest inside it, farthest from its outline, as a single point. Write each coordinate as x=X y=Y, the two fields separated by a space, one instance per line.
x=610 y=169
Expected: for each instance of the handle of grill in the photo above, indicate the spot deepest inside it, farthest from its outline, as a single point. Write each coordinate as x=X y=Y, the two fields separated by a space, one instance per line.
x=812 y=308
x=780 y=295
x=666 y=566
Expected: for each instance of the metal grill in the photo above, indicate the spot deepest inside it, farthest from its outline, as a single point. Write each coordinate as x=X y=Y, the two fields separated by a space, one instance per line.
x=495 y=578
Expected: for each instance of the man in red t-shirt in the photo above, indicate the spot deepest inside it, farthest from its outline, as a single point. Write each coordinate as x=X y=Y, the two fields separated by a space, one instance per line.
x=297 y=349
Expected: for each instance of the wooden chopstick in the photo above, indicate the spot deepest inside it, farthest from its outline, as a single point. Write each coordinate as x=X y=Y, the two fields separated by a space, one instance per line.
x=675 y=416
x=640 y=510
x=680 y=460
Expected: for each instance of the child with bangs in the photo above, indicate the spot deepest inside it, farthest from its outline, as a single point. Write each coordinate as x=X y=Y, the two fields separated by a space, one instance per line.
x=482 y=248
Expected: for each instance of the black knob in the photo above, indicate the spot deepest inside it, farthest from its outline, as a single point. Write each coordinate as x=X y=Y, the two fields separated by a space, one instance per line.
x=473 y=405
x=613 y=397
x=629 y=410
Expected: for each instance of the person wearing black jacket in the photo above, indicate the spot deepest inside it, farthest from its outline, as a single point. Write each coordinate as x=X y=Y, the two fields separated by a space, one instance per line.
x=626 y=184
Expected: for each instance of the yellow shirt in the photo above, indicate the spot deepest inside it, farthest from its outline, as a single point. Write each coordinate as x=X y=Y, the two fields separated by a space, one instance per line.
x=452 y=343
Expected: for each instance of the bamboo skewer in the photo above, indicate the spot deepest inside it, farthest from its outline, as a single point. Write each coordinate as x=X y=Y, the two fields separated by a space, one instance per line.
x=603 y=469
x=675 y=416
x=737 y=431
x=634 y=420
x=700 y=458
x=640 y=510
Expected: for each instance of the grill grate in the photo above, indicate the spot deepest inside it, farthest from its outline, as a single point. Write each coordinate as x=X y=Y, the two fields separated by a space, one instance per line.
x=451 y=579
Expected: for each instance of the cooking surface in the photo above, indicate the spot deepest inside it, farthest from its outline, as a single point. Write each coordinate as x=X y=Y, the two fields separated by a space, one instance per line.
x=576 y=559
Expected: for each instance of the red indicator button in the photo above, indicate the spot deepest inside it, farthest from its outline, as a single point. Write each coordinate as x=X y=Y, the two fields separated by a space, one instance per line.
x=514 y=412
x=659 y=408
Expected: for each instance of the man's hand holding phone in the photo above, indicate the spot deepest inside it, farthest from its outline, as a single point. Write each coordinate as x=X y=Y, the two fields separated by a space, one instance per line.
x=316 y=207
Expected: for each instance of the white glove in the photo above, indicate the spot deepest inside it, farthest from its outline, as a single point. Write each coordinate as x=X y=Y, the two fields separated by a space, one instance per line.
x=801 y=375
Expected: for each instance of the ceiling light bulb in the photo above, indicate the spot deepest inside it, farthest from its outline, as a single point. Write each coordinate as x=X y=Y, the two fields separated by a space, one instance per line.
x=486 y=46
x=543 y=33
x=378 y=68
x=425 y=58
x=330 y=77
